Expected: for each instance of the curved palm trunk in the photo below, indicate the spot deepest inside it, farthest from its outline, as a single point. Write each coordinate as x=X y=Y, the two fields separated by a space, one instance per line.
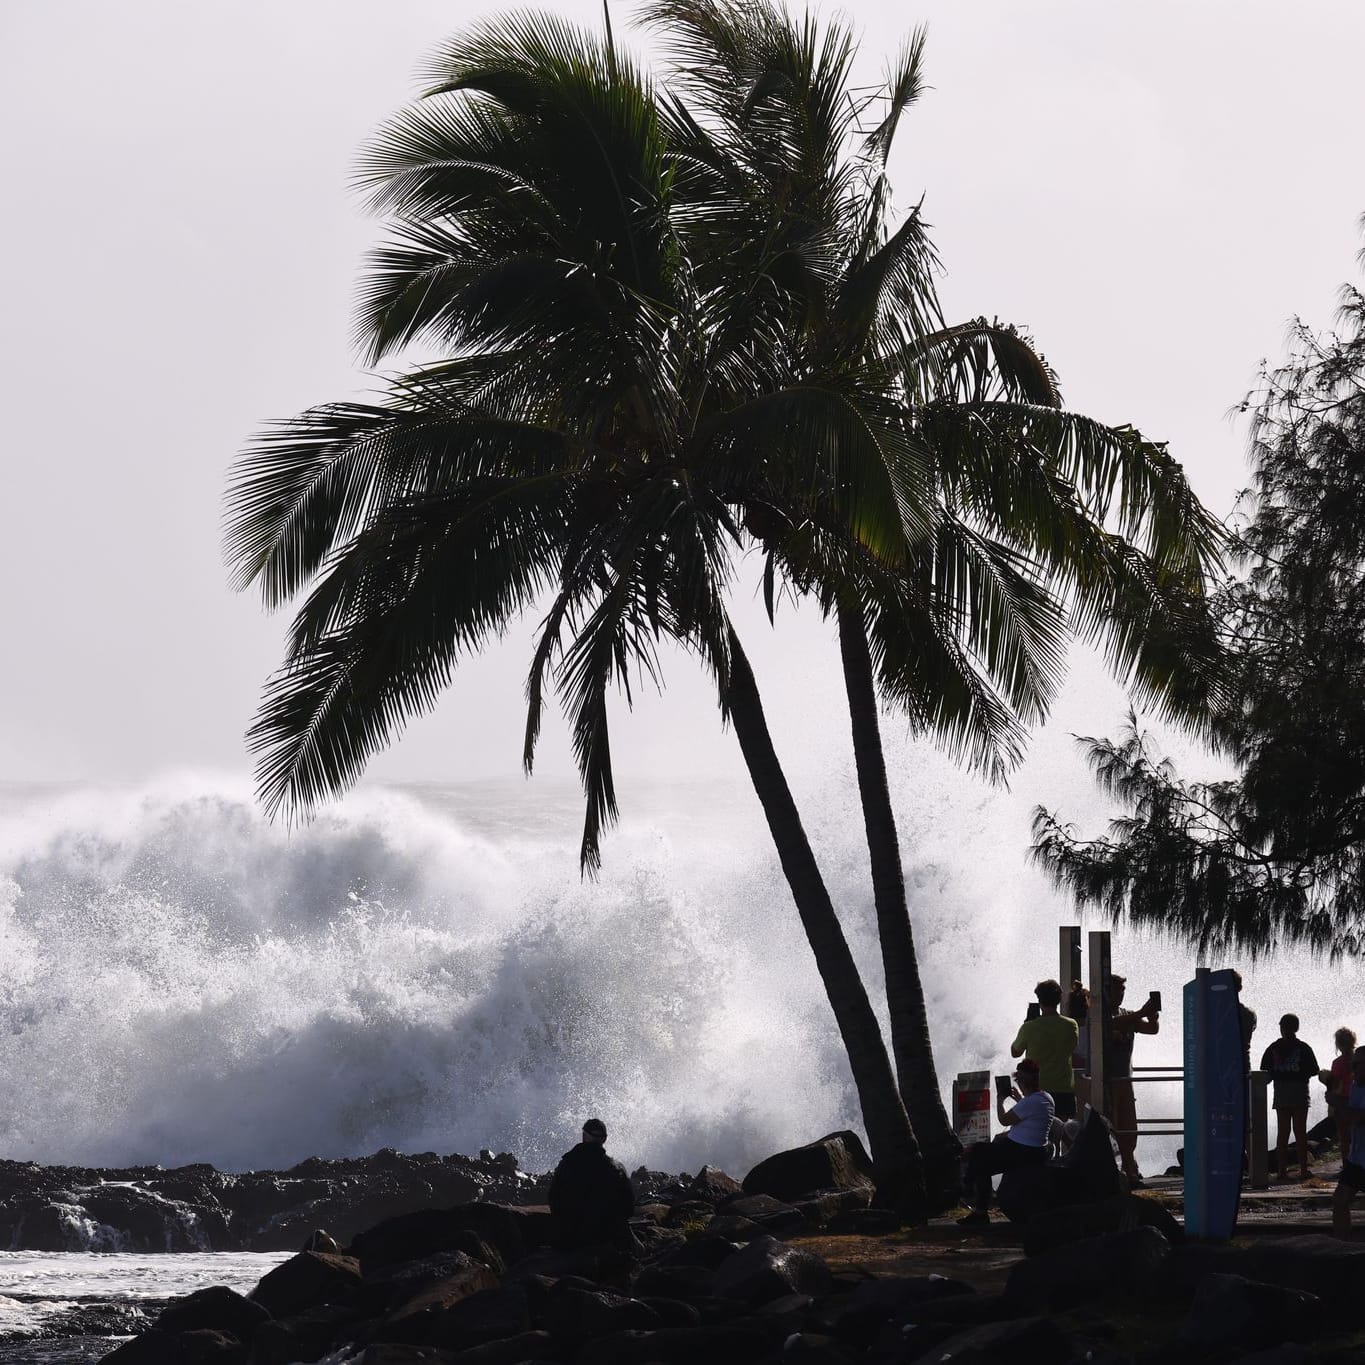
x=910 y=1041
x=895 y=1153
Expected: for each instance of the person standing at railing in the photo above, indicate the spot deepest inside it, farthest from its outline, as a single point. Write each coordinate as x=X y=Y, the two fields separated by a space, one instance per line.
x=1292 y=1065
x=1124 y=1025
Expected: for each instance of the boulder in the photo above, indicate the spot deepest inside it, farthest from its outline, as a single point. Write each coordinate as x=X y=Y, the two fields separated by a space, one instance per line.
x=391 y=1285
x=151 y=1348
x=766 y=1269
x=1089 y=1270
x=733 y=1228
x=838 y=1161
x=574 y=1315
x=810 y=1348
x=711 y=1186
x=772 y=1215
x=672 y=1312
x=304 y=1337
x=204 y=1346
x=1073 y=1222
x=1229 y=1310
x=1023 y=1339
x=420 y=1319
x=509 y=1230
x=866 y=1222
x=677 y=1281
x=488 y=1315
x=824 y=1205
x=527 y=1346
x=215 y=1307
x=859 y=1316
x=306 y=1280
x=736 y=1343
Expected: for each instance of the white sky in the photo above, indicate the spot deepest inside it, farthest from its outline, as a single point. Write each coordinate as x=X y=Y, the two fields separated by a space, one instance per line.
x=1152 y=189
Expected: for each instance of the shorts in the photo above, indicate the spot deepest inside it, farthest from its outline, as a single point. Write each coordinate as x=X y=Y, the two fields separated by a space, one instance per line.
x=1064 y=1104
x=1352 y=1176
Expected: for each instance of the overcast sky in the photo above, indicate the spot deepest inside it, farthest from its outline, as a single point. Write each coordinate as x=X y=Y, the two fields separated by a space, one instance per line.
x=1151 y=188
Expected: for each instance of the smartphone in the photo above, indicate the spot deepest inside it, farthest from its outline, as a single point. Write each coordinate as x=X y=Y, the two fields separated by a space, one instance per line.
x=1034 y=1011
x=1003 y=1087
x=1155 y=998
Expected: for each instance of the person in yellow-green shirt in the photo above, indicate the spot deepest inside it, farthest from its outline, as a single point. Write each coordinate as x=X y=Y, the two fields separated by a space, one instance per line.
x=1050 y=1040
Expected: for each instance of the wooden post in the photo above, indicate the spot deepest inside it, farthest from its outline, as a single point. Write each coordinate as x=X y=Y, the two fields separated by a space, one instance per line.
x=1099 y=1016
x=1258 y=1137
x=1068 y=961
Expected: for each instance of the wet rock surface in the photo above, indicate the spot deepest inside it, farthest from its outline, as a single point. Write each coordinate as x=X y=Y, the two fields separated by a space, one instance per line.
x=198 y=1208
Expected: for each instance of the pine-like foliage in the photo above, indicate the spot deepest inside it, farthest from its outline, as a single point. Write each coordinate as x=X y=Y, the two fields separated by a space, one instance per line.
x=1276 y=853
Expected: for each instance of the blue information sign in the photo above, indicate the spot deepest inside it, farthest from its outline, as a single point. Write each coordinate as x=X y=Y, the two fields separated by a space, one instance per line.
x=1215 y=1105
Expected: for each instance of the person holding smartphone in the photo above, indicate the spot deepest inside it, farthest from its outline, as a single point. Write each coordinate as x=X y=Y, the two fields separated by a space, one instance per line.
x=1050 y=1039
x=1124 y=1025
x=1023 y=1143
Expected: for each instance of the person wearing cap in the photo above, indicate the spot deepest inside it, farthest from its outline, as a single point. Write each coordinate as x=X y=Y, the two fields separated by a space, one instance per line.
x=1024 y=1142
x=591 y=1198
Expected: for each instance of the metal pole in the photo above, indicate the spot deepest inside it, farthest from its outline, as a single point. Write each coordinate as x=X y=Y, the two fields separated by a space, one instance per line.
x=1259 y=1137
x=1099 y=1017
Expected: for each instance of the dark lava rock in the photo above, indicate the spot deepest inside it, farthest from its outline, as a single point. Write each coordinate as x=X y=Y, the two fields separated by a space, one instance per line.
x=1229 y=1310
x=204 y=1346
x=766 y=1269
x=866 y=1222
x=772 y=1215
x=1314 y=1263
x=737 y=1343
x=1073 y=1222
x=422 y=1318
x=151 y=1348
x=510 y=1231
x=712 y=1186
x=676 y=1281
x=526 y=1346
x=689 y=1211
x=1091 y=1269
x=1024 y=1339
x=838 y=1161
x=306 y=1280
x=672 y=1312
x=393 y=1284
x=708 y=1251
x=809 y=1348
x=215 y=1307
x=733 y=1228
x=824 y=1205
x=860 y=1315
x=575 y=1315
x=305 y=1336
x=651 y=1240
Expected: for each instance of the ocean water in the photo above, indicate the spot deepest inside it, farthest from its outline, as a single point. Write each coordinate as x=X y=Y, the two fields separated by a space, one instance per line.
x=47 y=1298
x=424 y=968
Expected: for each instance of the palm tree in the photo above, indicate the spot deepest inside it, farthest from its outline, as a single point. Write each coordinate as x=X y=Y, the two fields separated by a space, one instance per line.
x=589 y=441
x=962 y=622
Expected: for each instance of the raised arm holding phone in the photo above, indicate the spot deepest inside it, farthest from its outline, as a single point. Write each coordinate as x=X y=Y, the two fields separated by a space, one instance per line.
x=1023 y=1143
x=1124 y=1025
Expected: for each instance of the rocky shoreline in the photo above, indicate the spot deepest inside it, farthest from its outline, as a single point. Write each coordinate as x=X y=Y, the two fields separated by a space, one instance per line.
x=199 y=1208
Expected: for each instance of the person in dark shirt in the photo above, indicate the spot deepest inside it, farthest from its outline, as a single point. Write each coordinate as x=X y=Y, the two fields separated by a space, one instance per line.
x=591 y=1198
x=1292 y=1065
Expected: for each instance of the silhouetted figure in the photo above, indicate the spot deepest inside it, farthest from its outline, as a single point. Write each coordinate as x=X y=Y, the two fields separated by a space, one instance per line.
x=1078 y=1008
x=1349 y=1110
x=1292 y=1065
x=1050 y=1040
x=1337 y=1079
x=1025 y=1143
x=1118 y=1062
x=591 y=1198
x=1246 y=1019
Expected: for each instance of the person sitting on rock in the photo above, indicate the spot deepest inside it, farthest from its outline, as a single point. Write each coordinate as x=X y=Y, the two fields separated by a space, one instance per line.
x=1024 y=1143
x=1349 y=1110
x=591 y=1198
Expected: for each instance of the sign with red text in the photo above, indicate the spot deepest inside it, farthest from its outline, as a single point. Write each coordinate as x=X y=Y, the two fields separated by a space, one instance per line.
x=972 y=1107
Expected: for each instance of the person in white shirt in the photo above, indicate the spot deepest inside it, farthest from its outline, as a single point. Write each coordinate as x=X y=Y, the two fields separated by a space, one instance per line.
x=1023 y=1143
